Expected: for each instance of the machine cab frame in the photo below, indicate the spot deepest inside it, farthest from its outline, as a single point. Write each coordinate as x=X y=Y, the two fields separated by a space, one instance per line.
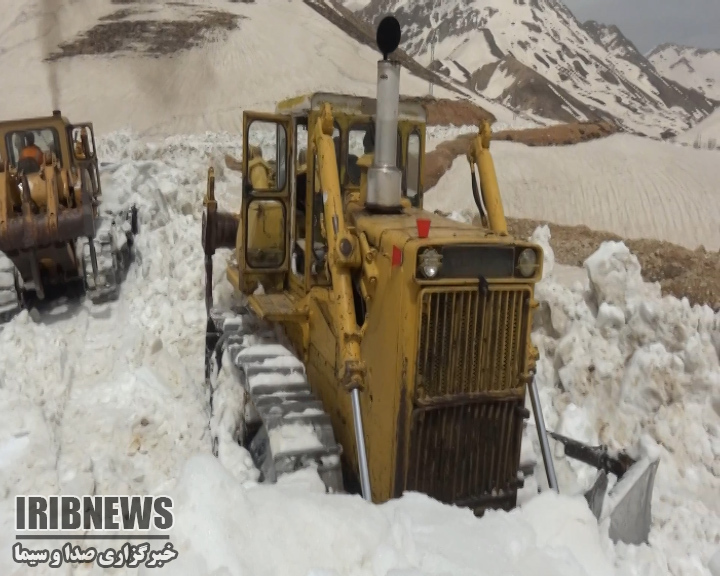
x=353 y=134
x=268 y=185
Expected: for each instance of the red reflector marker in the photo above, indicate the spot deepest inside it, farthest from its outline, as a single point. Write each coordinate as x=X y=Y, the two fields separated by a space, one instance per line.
x=423 y=227
x=396 y=256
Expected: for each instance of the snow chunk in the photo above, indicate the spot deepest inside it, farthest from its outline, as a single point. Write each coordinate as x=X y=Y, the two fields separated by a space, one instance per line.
x=615 y=276
x=541 y=236
x=293 y=437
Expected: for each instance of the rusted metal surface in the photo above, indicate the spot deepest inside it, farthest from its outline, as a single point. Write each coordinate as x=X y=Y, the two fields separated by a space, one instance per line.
x=467 y=454
x=469 y=343
x=33 y=230
x=468 y=406
x=225 y=230
x=62 y=256
x=219 y=229
x=460 y=399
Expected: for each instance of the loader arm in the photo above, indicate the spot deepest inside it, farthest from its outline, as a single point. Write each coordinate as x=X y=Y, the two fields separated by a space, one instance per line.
x=343 y=253
x=479 y=156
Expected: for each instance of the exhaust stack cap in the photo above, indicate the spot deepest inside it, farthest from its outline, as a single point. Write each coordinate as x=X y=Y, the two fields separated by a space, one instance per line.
x=384 y=185
x=388 y=36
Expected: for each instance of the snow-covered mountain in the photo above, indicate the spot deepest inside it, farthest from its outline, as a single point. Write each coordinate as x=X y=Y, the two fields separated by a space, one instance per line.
x=168 y=67
x=534 y=55
x=691 y=67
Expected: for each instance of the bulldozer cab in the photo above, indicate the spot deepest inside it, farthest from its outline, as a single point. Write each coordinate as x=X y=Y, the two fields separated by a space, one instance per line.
x=292 y=215
x=354 y=136
x=27 y=145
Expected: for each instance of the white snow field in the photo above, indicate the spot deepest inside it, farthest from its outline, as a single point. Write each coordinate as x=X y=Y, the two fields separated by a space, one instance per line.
x=110 y=400
x=632 y=186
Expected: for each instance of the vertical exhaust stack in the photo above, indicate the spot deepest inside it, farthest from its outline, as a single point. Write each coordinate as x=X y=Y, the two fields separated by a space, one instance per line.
x=384 y=184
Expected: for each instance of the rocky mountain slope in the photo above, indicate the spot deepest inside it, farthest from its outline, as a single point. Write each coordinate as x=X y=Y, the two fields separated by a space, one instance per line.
x=535 y=56
x=691 y=67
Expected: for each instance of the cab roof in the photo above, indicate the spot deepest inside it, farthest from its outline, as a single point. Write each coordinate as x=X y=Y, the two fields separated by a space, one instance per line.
x=34 y=122
x=408 y=109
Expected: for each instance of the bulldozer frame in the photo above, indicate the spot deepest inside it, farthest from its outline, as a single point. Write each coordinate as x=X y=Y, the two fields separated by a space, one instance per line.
x=386 y=346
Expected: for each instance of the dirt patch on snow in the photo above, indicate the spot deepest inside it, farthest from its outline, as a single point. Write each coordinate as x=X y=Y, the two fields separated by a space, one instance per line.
x=116 y=33
x=694 y=274
x=440 y=160
x=559 y=135
x=446 y=112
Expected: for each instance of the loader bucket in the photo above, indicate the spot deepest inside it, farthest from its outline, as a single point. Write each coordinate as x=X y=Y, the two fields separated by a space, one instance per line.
x=627 y=506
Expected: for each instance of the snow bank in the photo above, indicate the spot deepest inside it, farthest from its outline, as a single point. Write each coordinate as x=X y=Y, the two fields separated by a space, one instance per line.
x=714 y=564
x=295 y=529
x=706 y=131
x=109 y=399
x=619 y=362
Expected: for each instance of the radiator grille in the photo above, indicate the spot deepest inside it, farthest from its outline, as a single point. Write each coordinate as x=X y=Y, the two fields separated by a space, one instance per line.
x=470 y=343
x=467 y=454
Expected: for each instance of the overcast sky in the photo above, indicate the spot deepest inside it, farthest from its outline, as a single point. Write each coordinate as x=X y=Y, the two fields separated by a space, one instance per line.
x=648 y=23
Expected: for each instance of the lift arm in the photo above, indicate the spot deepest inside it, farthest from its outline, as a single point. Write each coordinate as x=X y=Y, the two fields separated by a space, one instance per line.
x=479 y=155
x=343 y=254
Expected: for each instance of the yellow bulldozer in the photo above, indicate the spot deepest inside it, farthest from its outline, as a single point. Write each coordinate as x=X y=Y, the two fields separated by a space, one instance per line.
x=383 y=345
x=55 y=238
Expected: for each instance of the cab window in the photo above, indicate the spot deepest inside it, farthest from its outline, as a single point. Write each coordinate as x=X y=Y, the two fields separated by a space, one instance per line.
x=44 y=139
x=412 y=168
x=267 y=150
x=82 y=149
x=361 y=141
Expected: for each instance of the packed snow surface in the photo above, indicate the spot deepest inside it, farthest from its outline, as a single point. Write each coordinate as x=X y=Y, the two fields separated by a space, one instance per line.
x=632 y=186
x=110 y=400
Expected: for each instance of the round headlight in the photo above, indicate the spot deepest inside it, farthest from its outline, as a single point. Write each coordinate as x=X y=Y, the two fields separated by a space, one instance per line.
x=527 y=262
x=430 y=262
